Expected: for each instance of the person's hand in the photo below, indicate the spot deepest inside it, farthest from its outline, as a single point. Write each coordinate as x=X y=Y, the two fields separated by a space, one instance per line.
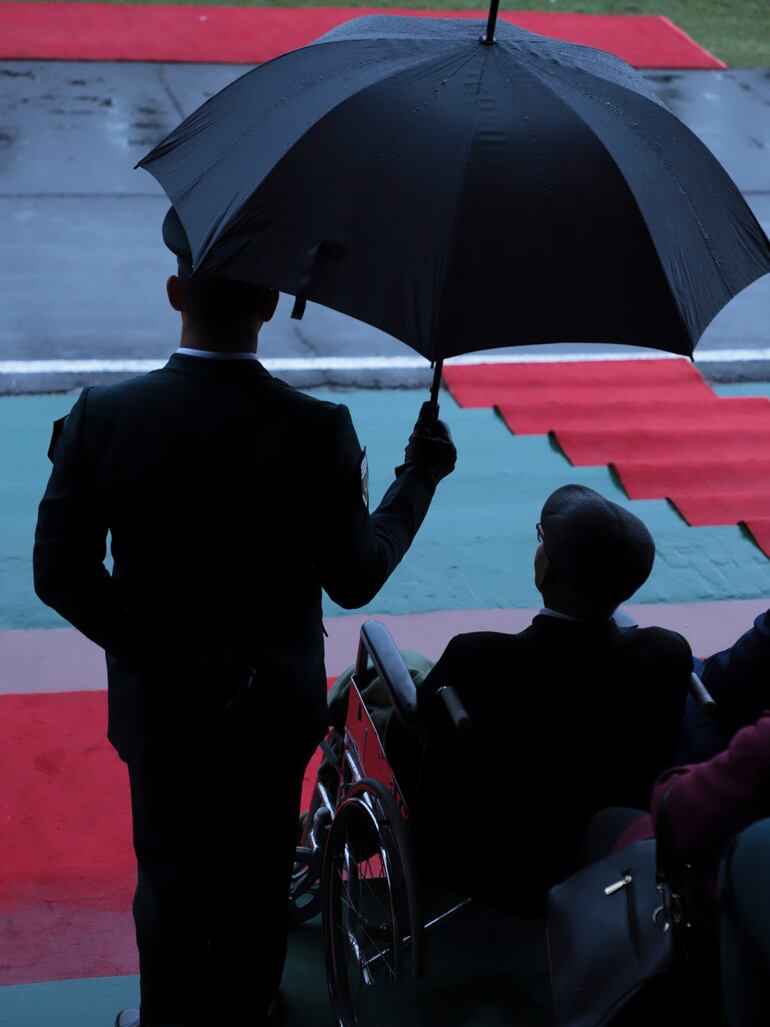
x=430 y=446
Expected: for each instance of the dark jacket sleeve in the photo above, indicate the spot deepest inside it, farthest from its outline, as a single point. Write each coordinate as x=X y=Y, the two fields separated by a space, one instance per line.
x=357 y=551
x=739 y=677
x=711 y=802
x=70 y=545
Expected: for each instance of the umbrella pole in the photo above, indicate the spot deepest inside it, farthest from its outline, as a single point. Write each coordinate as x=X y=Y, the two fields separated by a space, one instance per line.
x=438 y=366
x=489 y=36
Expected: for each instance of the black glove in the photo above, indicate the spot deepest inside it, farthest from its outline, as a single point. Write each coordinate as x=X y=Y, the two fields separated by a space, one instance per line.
x=430 y=446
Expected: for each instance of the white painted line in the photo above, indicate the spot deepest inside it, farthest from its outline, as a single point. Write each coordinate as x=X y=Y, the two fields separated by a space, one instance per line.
x=378 y=363
x=731 y=356
x=78 y=366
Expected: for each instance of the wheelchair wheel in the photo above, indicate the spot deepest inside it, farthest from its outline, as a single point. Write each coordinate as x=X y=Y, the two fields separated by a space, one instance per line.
x=373 y=933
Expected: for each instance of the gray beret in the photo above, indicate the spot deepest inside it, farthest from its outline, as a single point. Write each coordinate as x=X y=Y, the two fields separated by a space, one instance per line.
x=601 y=551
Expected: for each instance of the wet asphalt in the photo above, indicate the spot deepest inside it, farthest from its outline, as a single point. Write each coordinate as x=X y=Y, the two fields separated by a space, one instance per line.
x=82 y=267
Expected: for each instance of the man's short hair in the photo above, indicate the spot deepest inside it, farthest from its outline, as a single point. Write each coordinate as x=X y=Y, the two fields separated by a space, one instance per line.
x=220 y=304
x=601 y=551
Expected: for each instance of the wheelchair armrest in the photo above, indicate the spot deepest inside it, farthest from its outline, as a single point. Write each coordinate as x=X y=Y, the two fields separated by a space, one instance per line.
x=455 y=708
x=701 y=694
x=377 y=644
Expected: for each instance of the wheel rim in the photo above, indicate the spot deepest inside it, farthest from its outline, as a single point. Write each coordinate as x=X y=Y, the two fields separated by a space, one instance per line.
x=366 y=909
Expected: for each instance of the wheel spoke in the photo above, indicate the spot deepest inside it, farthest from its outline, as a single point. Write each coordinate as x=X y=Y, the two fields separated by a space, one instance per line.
x=378 y=951
x=367 y=887
x=387 y=912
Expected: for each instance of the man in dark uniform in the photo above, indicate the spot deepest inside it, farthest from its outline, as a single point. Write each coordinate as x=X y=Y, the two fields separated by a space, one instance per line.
x=573 y=714
x=231 y=501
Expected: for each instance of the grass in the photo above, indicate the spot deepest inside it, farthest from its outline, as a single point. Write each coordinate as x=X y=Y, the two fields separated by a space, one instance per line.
x=738 y=31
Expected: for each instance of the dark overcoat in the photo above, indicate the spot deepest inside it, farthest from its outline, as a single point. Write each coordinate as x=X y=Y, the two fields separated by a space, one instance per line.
x=231 y=500
x=568 y=717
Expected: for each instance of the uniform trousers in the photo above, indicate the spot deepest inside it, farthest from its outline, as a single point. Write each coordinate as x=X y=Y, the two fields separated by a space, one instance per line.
x=215 y=802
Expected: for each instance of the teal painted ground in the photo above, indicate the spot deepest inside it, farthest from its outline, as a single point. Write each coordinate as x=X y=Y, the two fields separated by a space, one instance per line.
x=486 y=969
x=744 y=389
x=86 y=1003
x=474 y=551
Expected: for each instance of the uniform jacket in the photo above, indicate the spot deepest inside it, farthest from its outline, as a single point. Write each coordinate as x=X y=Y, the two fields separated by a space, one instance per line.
x=231 y=500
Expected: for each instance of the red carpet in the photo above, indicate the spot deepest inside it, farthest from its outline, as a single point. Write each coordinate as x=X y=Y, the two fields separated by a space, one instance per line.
x=587 y=446
x=614 y=413
x=468 y=381
x=760 y=531
x=652 y=479
x=68 y=869
x=711 y=508
x=657 y=422
x=235 y=35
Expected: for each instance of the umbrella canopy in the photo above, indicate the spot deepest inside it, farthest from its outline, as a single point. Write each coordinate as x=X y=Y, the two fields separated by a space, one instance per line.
x=463 y=196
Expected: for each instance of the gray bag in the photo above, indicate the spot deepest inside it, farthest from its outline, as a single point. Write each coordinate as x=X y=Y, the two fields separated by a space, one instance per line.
x=615 y=932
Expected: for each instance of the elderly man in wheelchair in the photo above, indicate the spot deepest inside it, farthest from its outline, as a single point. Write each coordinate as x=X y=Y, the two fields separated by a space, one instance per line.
x=482 y=778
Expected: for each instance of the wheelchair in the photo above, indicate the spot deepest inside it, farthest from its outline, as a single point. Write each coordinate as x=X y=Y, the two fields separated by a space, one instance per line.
x=355 y=860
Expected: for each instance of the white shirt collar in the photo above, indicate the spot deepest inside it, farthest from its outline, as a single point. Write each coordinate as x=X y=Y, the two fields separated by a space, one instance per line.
x=624 y=621
x=555 y=613
x=211 y=354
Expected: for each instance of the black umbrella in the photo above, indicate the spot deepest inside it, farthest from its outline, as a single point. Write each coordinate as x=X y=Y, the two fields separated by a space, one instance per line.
x=463 y=191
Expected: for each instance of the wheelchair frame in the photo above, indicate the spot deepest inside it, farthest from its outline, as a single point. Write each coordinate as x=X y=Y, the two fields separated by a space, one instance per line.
x=355 y=860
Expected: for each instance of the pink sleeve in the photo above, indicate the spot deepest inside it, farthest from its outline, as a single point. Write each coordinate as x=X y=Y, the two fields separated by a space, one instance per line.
x=709 y=803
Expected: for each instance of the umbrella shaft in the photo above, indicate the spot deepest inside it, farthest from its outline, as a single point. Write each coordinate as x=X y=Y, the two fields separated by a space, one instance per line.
x=436 y=386
x=489 y=36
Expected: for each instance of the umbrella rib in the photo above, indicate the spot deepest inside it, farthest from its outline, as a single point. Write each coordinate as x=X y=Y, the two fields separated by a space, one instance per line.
x=534 y=71
x=423 y=59
x=160 y=149
x=460 y=65
x=531 y=69
x=491 y=51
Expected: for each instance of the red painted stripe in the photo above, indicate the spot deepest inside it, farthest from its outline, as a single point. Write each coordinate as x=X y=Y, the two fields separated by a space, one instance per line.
x=67 y=871
x=233 y=35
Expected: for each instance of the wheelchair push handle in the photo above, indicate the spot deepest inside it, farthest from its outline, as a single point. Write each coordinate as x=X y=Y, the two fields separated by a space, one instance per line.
x=701 y=694
x=376 y=644
x=454 y=705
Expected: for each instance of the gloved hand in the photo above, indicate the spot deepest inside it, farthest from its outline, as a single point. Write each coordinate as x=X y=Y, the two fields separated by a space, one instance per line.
x=430 y=446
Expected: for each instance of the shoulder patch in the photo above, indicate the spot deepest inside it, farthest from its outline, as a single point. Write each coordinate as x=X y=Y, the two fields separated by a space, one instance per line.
x=364 y=469
x=55 y=433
